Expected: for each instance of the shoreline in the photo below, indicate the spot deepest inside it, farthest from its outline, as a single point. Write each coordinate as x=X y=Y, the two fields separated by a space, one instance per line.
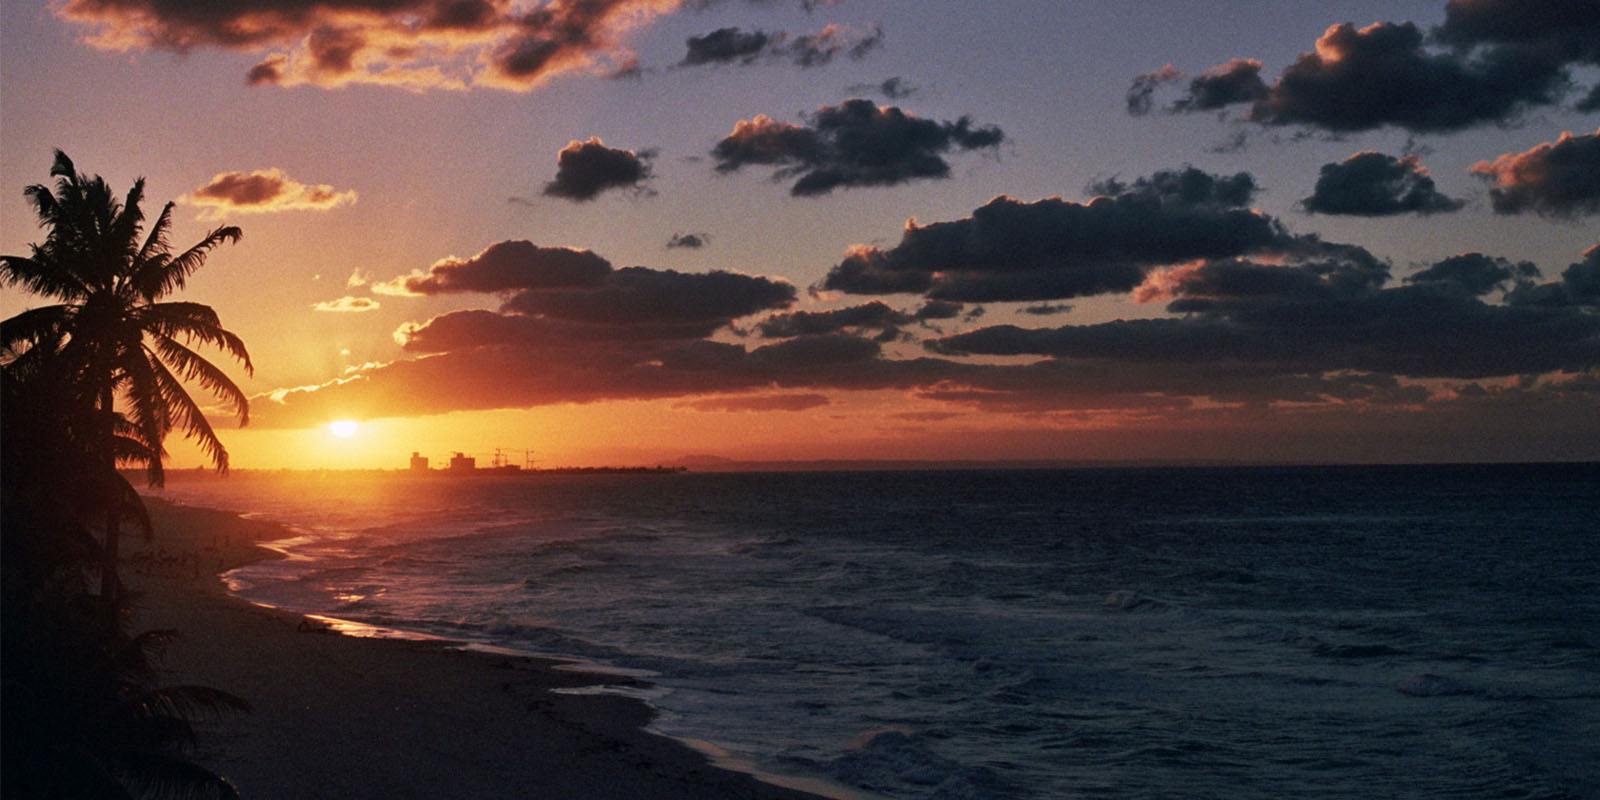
x=353 y=717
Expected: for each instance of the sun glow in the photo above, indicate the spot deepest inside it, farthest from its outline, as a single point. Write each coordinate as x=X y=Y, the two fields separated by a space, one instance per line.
x=343 y=428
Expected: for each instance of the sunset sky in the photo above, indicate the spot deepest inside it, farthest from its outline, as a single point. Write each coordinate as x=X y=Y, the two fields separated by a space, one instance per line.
x=627 y=231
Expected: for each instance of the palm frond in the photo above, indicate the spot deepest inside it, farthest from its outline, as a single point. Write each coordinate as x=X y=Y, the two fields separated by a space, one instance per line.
x=149 y=265
x=44 y=202
x=145 y=397
x=122 y=230
x=195 y=322
x=62 y=167
x=153 y=773
x=178 y=269
x=187 y=415
x=35 y=326
x=42 y=274
x=194 y=368
x=188 y=702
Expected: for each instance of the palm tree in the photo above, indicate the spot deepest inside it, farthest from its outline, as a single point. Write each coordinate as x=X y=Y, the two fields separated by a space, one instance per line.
x=113 y=356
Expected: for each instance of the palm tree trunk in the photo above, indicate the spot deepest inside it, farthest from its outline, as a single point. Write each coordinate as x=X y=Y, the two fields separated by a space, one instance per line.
x=109 y=495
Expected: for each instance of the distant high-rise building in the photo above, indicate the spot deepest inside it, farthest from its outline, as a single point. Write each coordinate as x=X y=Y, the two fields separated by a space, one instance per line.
x=419 y=462
x=462 y=461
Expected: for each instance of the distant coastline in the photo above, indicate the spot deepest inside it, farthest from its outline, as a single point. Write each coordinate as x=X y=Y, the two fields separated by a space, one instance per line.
x=704 y=464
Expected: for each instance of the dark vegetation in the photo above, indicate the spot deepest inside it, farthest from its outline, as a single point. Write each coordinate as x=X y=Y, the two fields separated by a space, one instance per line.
x=95 y=379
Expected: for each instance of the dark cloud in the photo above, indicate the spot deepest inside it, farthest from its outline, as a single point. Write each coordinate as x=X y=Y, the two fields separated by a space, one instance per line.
x=420 y=44
x=1183 y=188
x=640 y=295
x=1055 y=249
x=1236 y=81
x=896 y=88
x=1591 y=101
x=1383 y=74
x=585 y=169
x=1559 y=179
x=736 y=46
x=1370 y=184
x=1476 y=273
x=1566 y=29
x=856 y=143
x=503 y=267
x=1579 y=286
x=725 y=45
x=692 y=241
x=1253 y=337
x=1313 y=319
x=938 y=309
x=1045 y=309
x=1583 y=277
x=1144 y=86
x=816 y=49
x=875 y=315
x=1380 y=75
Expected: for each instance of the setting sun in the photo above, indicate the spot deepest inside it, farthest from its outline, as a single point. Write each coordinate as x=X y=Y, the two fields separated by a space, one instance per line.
x=344 y=428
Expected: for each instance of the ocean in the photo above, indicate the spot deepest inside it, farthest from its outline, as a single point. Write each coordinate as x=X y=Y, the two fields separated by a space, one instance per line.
x=1249 y=632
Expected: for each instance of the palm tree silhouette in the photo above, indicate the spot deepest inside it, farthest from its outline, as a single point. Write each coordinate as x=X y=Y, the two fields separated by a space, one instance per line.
x=112 y=353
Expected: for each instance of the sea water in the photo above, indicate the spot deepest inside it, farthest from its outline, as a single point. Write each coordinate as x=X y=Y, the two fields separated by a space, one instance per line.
x=1263 y=632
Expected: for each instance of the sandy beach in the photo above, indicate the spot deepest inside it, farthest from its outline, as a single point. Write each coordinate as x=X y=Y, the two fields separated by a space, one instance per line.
x=347 y=717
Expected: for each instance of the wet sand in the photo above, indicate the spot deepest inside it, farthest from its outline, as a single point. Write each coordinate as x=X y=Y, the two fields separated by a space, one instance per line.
x=339 y=716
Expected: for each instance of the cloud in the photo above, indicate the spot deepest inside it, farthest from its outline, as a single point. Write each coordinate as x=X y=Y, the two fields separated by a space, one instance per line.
x=635 y=295
x=585 y=169
x=262 y=191
x=1186 y=188
x=1579 y=286
x=725 y=45
x=1277 y=326
x=1144 y=86
x=1568 y=29
x=856 y=143
x=1316 y=341
x=896 y=88
x=1320 y=317
x=417 y=44
x=1054 y=249
x=347 y=303
x=759 y=402
x=938 y=309
x=1590 y=101
x=503 y=267
x=736 y=46
x=1236 y=81
x=1476 y=273
x=1560 y=179
x=1045 y=309
x=875 y=315
x=1383 y=75
x=692 y=241
x=1370 y=184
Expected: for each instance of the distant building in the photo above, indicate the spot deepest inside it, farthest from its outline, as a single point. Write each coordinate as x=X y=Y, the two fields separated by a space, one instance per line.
x=419 y=462
x=462 y=461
